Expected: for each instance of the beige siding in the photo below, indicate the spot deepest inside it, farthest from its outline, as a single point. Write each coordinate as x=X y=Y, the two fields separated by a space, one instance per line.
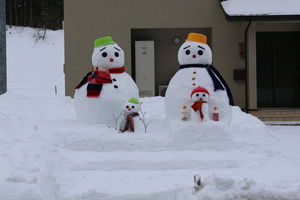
x=90 y=19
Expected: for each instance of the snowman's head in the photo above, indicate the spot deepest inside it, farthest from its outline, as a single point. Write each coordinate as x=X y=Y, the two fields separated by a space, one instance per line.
x=132 y=106
x=107 y=54
x=200 y=94
x=195 y=50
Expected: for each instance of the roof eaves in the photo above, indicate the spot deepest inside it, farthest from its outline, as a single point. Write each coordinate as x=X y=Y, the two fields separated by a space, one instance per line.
x=242 y=18
x=239 y=18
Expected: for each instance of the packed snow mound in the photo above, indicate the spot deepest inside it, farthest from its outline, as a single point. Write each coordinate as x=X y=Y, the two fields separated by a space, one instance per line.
x=47 y=154
x=218 y=135
x=171 y=134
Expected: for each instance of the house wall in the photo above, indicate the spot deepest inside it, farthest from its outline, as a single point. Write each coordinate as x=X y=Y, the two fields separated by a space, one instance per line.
x=3 y=84
x=88 y=20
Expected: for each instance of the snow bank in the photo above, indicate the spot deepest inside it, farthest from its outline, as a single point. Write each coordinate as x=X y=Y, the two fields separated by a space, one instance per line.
x=35 y=64
x=47 y=154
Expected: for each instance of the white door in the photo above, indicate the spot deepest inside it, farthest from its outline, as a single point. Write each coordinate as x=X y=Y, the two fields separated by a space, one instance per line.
x=144 y=67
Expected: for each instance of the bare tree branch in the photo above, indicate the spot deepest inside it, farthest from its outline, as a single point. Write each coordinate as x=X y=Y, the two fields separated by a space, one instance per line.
x=146 y=124
x=116 y=119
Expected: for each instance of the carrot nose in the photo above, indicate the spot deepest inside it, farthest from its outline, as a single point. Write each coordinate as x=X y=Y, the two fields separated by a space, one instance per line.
x=129 y=109
x=194 y=56
x=111 y=60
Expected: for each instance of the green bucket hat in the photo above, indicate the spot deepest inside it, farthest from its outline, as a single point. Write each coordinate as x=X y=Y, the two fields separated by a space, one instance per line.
x=103 y=41
x=133 y=100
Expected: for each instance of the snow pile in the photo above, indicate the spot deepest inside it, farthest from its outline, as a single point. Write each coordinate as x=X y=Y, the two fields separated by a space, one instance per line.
x=35 y=63
x=47 y=154
x=261 y=7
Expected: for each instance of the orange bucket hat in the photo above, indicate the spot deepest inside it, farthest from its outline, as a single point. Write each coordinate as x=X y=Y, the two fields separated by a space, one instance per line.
x=197 y=37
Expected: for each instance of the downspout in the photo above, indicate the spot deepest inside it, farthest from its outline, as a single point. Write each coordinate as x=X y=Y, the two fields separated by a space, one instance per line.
x=246 y=67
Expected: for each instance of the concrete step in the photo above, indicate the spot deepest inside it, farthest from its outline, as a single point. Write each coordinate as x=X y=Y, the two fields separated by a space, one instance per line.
x=277 y=114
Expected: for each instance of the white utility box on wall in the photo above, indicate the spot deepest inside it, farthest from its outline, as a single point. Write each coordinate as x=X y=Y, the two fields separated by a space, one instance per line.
x=145 y=67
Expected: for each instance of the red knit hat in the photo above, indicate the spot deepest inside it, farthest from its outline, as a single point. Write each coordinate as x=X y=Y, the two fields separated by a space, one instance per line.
x=199 y=89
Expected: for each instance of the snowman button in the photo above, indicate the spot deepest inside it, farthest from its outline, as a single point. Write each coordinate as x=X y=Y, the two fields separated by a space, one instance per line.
x=115 y=86
x=194 y=72
x=114 y=79
x=193 y=78
x=194 y=84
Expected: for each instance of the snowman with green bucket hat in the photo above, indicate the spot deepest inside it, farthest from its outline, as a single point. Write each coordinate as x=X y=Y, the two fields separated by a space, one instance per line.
x=130 y=119
x=102 y=92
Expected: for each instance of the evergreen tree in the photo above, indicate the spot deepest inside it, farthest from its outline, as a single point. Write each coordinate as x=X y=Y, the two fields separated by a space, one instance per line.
x=35 y=13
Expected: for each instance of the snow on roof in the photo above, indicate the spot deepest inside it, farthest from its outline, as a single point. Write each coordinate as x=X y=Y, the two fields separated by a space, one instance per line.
x=261 y=7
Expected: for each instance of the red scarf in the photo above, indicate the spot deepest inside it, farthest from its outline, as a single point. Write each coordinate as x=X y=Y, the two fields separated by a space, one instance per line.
x=99 y=77
x=96 y=79
x=116 y=70
x=129 y=122
x=198 y=106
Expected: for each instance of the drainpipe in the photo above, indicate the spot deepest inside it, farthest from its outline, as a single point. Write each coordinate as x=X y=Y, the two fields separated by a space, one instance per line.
x=246 y=66
x=3 y=84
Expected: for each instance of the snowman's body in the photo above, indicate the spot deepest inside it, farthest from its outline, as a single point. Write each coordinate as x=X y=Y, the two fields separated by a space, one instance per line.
x=180 y=87
x=102 y=109
x=109 y=103
x=195 y=114
x=177 y=98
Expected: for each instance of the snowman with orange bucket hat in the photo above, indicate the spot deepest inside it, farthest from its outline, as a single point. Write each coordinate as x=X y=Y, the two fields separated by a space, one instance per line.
x=195 y=59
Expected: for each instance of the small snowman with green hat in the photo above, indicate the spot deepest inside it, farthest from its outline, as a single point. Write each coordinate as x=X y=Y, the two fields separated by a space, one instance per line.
x=102 y=92
x=130 y=119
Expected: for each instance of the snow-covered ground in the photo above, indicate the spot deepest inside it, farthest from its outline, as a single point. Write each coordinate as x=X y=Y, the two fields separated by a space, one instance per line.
x=45 y=153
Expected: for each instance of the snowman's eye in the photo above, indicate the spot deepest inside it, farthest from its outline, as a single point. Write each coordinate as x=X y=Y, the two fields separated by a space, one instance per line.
x=127 y=106
x=200 y=52
x=117 y=54
x=132 y=106
x=187 y=52
x=197 y=95
x=203 y=95
x=104 y=54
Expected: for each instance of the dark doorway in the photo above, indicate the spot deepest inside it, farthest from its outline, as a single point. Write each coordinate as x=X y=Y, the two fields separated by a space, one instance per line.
x=278 y=69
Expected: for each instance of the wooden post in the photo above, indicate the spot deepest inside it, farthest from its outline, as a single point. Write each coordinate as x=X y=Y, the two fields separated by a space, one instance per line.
x=3 y=83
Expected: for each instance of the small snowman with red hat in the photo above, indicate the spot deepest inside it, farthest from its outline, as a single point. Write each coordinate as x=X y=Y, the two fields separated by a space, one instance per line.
x=200 y=97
